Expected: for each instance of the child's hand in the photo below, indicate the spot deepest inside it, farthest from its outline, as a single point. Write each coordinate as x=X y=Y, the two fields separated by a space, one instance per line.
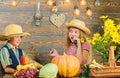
x=53 y=52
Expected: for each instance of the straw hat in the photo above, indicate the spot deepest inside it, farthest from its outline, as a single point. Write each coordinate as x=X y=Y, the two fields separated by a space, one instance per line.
x=78 y=24
x=12 y=30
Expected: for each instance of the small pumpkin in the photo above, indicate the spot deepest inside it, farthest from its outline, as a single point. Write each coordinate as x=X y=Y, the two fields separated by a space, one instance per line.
x=68 y=65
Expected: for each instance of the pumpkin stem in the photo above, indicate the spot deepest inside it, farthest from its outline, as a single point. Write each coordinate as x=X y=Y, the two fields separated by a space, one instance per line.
x=64 y=53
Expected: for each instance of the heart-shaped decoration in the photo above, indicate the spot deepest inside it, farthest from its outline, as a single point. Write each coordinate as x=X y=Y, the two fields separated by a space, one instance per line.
x=57 y=19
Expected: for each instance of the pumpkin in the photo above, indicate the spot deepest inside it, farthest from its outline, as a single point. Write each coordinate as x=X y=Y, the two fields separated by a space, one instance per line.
x=68 y=65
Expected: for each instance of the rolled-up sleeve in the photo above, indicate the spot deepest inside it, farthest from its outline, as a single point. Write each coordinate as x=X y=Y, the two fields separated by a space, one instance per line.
x=4 y=57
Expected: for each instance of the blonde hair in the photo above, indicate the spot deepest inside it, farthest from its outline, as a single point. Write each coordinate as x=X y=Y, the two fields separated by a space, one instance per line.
x=68 y=41
x=82 y=35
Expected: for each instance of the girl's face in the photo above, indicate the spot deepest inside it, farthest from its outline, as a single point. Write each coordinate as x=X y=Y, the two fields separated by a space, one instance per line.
x=15 y=41
x=74 y=33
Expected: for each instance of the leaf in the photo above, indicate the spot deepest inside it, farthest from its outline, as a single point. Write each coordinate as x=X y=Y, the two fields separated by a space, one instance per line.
x=85 y=73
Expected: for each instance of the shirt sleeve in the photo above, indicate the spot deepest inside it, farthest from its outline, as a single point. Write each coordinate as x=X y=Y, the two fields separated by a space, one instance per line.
x=4 y=58
x=86 y=46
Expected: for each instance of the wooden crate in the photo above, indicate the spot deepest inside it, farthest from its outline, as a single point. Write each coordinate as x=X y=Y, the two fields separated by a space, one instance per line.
x=107 y=71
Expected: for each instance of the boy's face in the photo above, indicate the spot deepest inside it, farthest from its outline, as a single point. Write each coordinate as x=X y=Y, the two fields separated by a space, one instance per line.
x=74 y=34
x=15 y=41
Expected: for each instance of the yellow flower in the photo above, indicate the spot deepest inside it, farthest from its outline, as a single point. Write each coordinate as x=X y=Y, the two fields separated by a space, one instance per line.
x=118 y=26
x=115 y=38
x=82 y=40
x=103 y=17
x=93 y=42
x=109 y=22
x=71 y=22
x=110 y=36
x=96 y=37
x=88 y=40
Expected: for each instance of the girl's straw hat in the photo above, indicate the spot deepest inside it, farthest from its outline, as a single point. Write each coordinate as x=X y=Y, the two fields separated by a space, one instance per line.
x=78 y=24
x=12 y=30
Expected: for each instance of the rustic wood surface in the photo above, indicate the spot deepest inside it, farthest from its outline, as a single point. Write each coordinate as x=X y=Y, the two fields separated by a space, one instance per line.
x=47 y=36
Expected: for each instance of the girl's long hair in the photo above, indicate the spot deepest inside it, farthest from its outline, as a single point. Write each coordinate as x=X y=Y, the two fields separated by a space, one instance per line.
x=68 y=41
x=82 y=35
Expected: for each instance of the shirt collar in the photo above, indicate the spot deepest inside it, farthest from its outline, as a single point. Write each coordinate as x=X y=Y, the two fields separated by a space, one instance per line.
x=11 y=46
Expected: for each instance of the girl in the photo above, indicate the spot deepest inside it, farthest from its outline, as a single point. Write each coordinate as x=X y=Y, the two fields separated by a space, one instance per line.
x=76 y=32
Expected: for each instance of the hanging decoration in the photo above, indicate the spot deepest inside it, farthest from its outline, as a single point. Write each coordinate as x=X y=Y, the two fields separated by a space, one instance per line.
x=67 y=1
x=88 y=11
x=76 y=11
x=14 y=3
x=97 y=3
x=37 y=16
x=54 y=8
x=82 y=2
x=57 y=19
x=50 y=2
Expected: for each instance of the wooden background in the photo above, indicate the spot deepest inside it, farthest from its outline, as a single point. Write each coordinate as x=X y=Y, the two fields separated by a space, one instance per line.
x=47 y=35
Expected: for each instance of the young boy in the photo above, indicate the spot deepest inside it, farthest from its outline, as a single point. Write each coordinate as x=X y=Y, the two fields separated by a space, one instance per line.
x=10 y=53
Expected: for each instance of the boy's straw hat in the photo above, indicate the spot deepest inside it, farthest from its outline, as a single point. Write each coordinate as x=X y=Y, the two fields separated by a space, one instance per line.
x=78 y=24
x=12 y=30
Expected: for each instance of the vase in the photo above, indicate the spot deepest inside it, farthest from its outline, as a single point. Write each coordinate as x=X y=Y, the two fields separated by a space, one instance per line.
x=111 y=60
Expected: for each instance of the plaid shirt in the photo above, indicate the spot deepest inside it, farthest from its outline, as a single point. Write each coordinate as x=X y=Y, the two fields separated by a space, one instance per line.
x=72 y=50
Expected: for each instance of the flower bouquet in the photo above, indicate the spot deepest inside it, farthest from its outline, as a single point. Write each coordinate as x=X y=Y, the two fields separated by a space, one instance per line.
x=110 y=36
x=107 y=43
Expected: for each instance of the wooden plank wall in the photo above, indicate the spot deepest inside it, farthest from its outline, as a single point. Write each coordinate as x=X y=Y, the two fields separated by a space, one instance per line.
x=47 y=35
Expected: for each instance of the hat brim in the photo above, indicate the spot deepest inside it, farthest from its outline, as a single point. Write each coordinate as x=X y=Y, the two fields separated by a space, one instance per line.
x=4 y=37
x=83 y=28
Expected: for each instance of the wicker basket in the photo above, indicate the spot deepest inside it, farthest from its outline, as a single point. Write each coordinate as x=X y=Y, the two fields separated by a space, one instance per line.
x=107 y=71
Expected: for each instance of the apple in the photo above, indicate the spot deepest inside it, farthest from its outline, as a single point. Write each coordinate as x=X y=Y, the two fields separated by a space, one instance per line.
x=24 y=60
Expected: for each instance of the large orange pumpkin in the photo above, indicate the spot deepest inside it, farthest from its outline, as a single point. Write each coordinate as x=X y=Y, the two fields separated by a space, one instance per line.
x=68 y=65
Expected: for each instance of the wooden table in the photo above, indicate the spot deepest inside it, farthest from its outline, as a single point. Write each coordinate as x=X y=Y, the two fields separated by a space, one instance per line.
x=8 y=76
